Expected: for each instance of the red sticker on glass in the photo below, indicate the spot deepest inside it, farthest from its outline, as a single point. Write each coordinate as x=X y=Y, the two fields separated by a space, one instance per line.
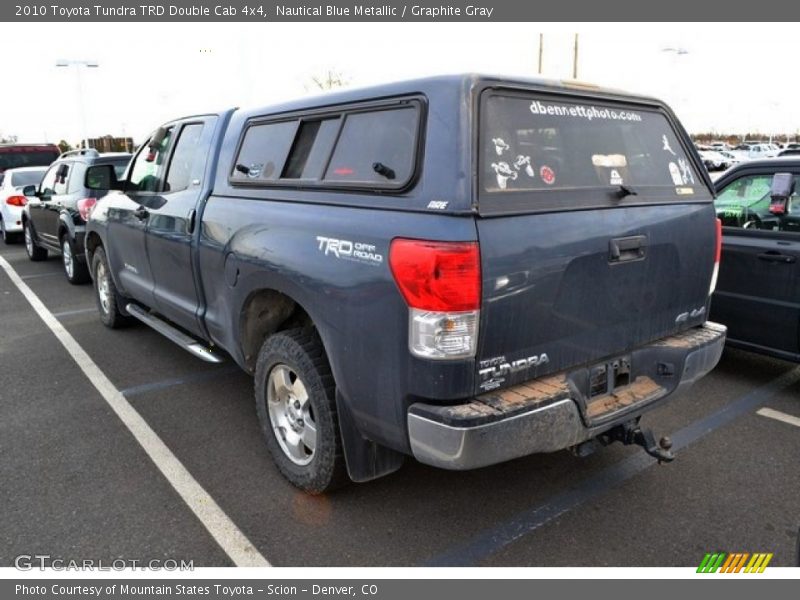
x=343 y=171
x=548 y=175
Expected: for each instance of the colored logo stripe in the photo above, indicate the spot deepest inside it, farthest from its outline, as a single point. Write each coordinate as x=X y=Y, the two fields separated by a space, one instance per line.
x=711 y=562
x=734 y=562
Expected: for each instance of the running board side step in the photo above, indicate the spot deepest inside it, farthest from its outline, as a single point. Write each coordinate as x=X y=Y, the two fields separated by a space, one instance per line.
x=183 y=340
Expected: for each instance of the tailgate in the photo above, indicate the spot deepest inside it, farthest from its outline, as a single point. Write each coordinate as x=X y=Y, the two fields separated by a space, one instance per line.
x=554 y=296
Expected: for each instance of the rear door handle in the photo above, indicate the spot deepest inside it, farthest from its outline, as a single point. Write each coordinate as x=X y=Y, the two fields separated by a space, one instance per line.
x=777 y=257
x=190 y=220
x=141 y=213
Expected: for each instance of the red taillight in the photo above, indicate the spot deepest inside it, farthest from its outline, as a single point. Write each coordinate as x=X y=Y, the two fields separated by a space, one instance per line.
x=437 y=276
x=85 y=207
x=16 y=200
x=718 y=254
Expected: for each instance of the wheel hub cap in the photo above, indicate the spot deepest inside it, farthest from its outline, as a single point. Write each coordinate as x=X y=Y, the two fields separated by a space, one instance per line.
x=290 y=414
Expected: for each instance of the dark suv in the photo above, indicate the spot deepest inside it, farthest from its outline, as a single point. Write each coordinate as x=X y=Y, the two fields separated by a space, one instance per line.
x=54 y=218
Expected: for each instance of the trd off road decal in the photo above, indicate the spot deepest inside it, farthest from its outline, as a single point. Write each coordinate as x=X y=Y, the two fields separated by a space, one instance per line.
x=349 y=250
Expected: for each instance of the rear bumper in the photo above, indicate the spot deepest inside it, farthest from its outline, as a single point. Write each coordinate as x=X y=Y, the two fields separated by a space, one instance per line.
x=554 y=413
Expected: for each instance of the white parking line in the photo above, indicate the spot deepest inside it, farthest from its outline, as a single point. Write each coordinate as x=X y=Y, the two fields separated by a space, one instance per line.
x=219 y=525
x=779 y=416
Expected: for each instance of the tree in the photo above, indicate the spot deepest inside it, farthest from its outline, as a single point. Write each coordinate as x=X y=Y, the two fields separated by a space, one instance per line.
x=7 y=139
x=330 y=81
x=64 y=146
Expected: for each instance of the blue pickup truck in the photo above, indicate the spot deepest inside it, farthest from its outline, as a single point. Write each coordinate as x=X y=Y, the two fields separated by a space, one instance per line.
x=463 y=269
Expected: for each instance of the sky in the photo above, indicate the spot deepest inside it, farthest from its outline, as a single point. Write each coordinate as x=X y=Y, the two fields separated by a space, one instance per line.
x=150 y=73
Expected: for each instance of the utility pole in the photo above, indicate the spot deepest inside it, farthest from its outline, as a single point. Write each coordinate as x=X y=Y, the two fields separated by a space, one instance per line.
x=541 y=51
x=575 y=59
x=87 y=64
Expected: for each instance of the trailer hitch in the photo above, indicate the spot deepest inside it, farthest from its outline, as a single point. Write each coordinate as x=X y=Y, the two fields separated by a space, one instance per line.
x=631 y=433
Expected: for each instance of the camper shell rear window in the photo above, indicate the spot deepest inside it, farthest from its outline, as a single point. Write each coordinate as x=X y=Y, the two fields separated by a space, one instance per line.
x=542 y=151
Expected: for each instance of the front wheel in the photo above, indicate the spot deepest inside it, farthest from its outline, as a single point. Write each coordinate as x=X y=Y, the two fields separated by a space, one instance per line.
x=35 y=253
x=105 y=292
x=297 y=410
x=76 y=270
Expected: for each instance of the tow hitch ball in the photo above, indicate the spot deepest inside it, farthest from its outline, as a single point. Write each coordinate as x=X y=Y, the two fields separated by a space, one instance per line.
x=631 y=433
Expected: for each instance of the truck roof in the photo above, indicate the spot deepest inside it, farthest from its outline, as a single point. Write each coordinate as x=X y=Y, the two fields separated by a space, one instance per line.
x=439 y=84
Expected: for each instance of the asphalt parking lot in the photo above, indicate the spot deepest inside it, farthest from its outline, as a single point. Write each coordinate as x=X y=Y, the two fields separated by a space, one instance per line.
x=75 y=483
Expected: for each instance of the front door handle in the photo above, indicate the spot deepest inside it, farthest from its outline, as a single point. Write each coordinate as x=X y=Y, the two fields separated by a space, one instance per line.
x=190 y=219
x=777 y=257
x=141 y=213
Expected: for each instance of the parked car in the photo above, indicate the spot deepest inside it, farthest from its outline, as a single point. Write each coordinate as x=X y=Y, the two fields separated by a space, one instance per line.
x=14 y=156
x=714 y=161
x=757 y=293
x=720 y=146
x=54 y=218
x=405 y=274
x=749 y=151
x=732 y=158
x=12 y=182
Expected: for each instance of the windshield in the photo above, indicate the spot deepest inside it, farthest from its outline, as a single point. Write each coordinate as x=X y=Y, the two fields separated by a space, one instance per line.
x=24 y=178
x=537 y=143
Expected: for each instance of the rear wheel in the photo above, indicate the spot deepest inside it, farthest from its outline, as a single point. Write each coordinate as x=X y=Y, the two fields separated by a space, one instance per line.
x=297 y=409
x=76 y=270
x=35 y=253
x=105 y=292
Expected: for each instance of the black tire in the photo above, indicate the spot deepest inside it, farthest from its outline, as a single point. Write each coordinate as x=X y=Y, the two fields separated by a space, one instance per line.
x=301 y=351
x=110 y=311
x=8 y=238
x=35 y=253
x=77 y=271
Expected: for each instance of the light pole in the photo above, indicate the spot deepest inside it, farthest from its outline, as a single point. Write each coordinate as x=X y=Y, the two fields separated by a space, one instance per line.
x=89 y=64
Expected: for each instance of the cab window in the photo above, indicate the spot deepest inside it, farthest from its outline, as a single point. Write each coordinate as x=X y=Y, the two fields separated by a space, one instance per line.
x=148 y=167
x=745 y=203
x=184 y=158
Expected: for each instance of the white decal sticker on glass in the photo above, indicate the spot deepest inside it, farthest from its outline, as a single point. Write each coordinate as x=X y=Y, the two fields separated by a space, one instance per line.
x=686 y=172
x=524 y=161
x=675 y=173
x=666 y=145
x=500 y=146
x=615 y=178
x=504 y=173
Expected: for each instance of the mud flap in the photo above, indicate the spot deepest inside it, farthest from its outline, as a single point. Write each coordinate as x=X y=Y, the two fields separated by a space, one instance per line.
x=365 y=459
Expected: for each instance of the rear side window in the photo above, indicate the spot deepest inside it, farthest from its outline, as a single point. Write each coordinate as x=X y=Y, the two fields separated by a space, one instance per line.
x=535 y=143
x=358 y=148
x=375 y=147
x=26 y=178
x=264 y=150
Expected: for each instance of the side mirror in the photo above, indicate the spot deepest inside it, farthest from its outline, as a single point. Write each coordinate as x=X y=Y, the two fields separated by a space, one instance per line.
x=780 y=191
x=29 y=191
x=102 y=178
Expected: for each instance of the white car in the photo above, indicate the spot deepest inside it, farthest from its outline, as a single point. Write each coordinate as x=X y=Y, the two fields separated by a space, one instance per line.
x=11 y=199
x=715 y=161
